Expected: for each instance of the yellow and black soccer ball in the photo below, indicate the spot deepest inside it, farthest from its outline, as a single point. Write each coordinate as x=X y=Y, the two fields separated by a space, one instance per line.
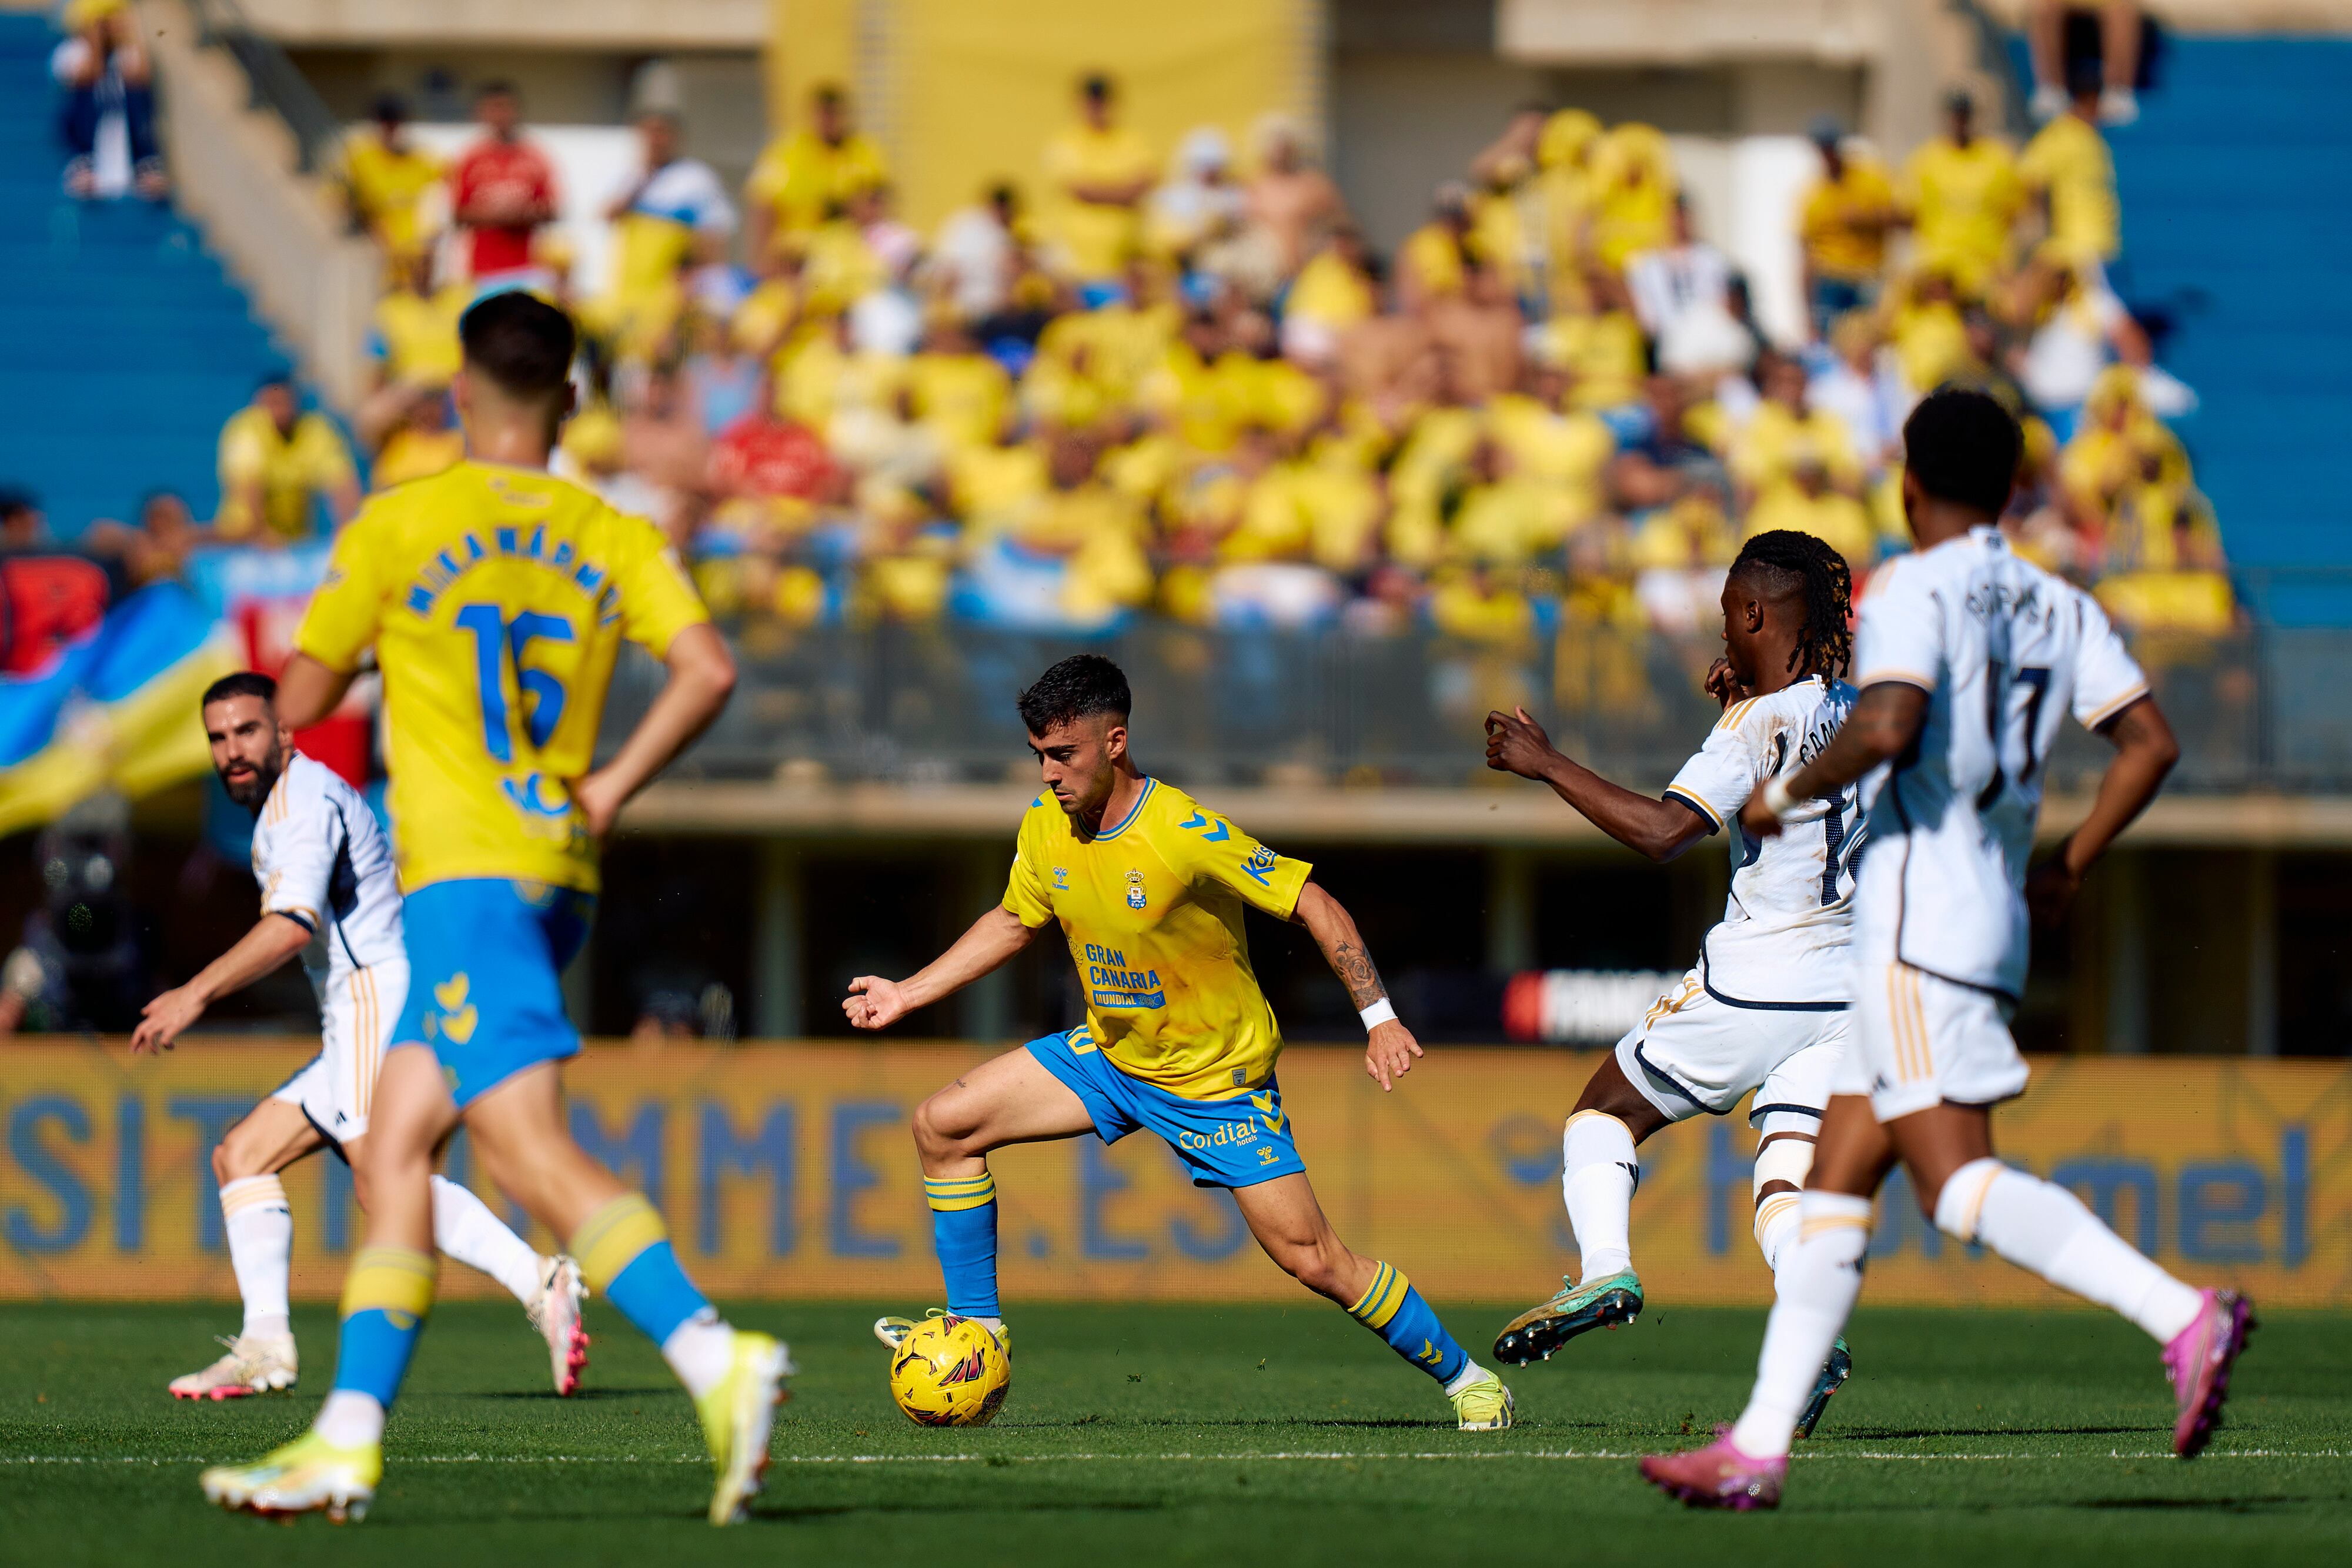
x=949 y=1371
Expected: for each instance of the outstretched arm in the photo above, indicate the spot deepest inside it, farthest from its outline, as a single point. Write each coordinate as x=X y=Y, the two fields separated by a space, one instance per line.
x=1882 y=727
x=875 y=1003
x=2144 y=753
x=272 y=941
x=1659 y=829
x=1389 y=1055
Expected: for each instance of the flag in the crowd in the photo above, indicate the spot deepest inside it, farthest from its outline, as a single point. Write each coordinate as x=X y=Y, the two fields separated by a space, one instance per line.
x=115 y=705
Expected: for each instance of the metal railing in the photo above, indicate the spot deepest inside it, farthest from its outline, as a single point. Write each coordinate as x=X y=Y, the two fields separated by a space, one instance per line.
x=276 y=83
x=2258 y=709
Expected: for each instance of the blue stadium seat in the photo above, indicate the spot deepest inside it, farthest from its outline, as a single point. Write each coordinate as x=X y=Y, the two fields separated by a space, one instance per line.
x=127 y=342
x=2237 y=198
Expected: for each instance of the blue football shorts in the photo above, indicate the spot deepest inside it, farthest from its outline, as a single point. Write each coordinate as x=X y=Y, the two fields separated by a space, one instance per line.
x=486 y=957
x=1238 y=1142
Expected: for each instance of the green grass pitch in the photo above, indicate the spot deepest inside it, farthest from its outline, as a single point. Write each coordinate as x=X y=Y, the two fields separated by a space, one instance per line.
x=1225 y=1435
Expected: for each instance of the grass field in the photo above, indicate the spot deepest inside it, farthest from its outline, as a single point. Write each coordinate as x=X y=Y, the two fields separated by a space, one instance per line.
x=1200 y=1435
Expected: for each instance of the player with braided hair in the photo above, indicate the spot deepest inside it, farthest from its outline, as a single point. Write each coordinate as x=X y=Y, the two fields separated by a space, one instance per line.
x=1765 y=1007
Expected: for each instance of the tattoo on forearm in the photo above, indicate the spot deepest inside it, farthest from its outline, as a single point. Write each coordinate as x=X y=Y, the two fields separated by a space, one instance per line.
x=1357 y=972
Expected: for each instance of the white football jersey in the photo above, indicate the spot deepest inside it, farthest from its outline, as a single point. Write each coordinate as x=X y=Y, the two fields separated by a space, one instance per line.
x=2006 y=651
x=1782 y=941
x=321 y=860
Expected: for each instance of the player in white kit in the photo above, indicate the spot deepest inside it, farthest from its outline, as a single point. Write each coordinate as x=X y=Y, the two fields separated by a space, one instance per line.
x=1969 y=661
x=1764 y=1008
x=328 y=892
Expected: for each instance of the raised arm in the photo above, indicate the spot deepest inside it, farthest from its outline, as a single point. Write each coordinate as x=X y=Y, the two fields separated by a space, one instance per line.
x=1661 y=829
x=2144 y=753
x=308 y=691
x=702 y=678
x=273 y=939
x=875 y=1003
x=1389 y=1055
x=1882 y=727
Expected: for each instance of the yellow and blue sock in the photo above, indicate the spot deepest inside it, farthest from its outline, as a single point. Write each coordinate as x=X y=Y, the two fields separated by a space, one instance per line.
x=964 y=1233
x=625 y=1253
x=387 y=1296
x=1394 y=1310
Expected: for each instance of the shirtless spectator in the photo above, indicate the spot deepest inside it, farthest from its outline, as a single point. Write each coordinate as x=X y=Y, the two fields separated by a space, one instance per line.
x=503 y=189
x=1479 y=330
x=1290 y=198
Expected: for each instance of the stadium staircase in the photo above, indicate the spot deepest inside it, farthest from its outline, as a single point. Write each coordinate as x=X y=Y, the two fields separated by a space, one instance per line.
x=2237 y=198
x=125 y=342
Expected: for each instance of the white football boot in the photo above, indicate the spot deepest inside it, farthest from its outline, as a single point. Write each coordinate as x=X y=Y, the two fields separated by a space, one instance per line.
x=255 y=1364
x=555 y=1313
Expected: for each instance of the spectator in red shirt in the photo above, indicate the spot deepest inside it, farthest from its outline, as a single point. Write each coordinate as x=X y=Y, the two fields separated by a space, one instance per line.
x=502 y=188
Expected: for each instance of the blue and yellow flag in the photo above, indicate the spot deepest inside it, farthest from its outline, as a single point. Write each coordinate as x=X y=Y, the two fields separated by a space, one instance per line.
x=115 y=707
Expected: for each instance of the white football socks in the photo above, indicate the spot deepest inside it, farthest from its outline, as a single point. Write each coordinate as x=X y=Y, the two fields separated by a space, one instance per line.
x=1596 y=1181
x=1778 y=1216
x=700 y=1351
x=465 y=1229
x=261 y=1229
x=2045 y=1228
x=349 y=1419
x=1817 y=1285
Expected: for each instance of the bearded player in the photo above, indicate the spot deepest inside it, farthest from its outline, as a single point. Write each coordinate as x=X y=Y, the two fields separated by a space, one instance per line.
x=496 y=598
x=1969 y=661
x=328 y=893
x=1149 y=889
x=1764 y=1008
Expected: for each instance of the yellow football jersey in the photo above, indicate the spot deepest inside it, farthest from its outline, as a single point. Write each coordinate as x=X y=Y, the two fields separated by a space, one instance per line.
x=496 y=600
x=1152 y=910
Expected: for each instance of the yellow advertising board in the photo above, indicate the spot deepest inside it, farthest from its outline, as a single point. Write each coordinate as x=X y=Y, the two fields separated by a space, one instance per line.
x=787 y=1170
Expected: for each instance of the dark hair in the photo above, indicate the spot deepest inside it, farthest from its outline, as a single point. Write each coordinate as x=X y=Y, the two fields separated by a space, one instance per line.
x=1098 y=85
x=828 y=94
x=390 y=108
x=497 y=87
x=1079 y=686
x=1800 y=563
x=1962 y=446
x=520 y=342
x=16 y=498
x=274 y=376
x=244 y=683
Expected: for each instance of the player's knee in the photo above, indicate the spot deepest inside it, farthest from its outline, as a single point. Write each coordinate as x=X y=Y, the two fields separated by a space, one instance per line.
x=1320 y=1266
x=1784 y=1160
x=235 y=1158
x=941 y=1133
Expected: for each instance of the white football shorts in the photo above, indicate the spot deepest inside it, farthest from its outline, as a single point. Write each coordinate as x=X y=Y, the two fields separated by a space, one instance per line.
x=336 y=1088
x=1695 y=1052
x=1919 y=1040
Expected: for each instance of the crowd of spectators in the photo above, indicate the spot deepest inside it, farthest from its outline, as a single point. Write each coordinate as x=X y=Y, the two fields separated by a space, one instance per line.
x=1180 y=381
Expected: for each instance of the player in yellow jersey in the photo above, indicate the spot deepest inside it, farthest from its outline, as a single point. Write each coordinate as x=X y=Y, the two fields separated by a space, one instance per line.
x=496 y=598
x=1149 y=889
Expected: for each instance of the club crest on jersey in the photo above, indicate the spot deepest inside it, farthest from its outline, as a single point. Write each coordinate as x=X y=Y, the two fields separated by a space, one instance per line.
x=1135 y=899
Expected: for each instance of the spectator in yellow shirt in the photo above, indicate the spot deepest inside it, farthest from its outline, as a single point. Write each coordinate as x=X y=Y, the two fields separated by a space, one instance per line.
x=1102 y=171
x=2068 y=166
x=1432 y=263
x=1633 y=190
x=1963 y=195
x=1333 y=293
x=810 y=175
x=414 y=339
x=274 y=458
x=387 y=180
x=1845 y=220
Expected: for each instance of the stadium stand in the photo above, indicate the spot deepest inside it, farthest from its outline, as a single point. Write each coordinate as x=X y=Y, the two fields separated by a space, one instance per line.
x=130 y=323
x=2236 y=194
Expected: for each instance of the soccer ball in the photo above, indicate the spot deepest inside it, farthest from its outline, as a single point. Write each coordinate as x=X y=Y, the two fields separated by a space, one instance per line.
x=949 y=1371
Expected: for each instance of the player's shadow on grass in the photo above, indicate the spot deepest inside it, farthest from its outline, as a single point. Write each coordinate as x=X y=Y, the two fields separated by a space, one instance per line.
x=600 y=1391
x=2202 y=1504
x=1884 y=1433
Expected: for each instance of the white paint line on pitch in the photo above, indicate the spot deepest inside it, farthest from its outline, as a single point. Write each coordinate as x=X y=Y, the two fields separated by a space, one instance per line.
x=1555 y=1455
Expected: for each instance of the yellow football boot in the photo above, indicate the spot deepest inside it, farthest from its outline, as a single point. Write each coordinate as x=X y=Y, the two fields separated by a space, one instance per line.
x=1484 y=1405
x=736 y=1416
x=307 y=1475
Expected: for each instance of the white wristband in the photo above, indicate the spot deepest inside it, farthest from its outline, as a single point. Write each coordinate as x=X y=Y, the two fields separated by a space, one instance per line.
x=1776 y=799
x=1378 y=1013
